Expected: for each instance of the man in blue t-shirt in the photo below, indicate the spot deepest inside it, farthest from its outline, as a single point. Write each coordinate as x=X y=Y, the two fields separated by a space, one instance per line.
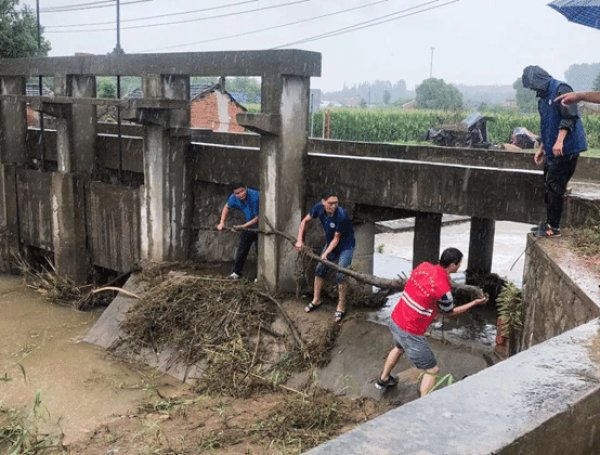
x=244 y=199
x=339 y=247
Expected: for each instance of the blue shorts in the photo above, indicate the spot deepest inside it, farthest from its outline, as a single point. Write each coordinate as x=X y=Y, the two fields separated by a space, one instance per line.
x=416 y=347
x=342 y=258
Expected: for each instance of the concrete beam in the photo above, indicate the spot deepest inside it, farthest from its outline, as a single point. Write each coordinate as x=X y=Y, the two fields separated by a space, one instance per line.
x=500 y=194
x=426 y=241
x=481 y=245
x=290 y=62
x=588 y=169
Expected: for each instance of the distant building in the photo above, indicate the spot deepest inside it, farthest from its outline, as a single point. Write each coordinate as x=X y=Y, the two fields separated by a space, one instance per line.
x=212 y=108
x=409 y=105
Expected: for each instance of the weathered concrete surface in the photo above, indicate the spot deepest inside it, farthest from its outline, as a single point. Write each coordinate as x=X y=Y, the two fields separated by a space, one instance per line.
x=500 y=194
x=559 y=290
x=232 y=63
x=282 y=162
x=360 y=351
x=542 y=401
x=481 y=245
x=588 y=169
x=114 y=226
x=34 y=196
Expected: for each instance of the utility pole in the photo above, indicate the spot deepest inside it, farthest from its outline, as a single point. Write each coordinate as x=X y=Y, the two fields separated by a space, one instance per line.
x=118 y=49
x=41 y=144
x=431 y=63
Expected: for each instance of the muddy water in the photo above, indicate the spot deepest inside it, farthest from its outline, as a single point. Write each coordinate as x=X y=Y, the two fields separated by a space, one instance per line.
x=80 y=386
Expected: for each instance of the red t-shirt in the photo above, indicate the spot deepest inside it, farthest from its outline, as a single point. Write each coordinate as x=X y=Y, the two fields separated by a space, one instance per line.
x=427 y=291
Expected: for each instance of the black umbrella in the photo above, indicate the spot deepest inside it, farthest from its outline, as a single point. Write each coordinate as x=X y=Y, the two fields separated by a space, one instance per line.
x=585 y=12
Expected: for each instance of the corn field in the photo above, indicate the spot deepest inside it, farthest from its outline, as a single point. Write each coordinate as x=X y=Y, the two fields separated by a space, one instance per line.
x=378 y=125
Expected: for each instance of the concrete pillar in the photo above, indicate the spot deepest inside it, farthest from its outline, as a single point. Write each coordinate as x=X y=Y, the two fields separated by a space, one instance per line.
x=283 y=150
x=362 y=261
x=69 y=228
x=13 y=153
x=76 y=129
x=76 y=158
x=166 y=190
x=481 y=245
x=426 y=243
x=13 y=122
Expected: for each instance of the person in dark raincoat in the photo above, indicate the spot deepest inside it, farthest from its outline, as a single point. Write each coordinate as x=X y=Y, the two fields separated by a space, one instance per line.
x=563 y=139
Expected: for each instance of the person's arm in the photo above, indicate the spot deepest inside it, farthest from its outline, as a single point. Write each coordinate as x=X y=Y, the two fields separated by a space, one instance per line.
x=557 y=148
x=538 y=158
x=466 y=307
x=334 y=242
x=301 y=230
x=567 y=99
x=224 y=214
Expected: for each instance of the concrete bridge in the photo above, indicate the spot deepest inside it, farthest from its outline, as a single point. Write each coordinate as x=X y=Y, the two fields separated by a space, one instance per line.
x=95 y=196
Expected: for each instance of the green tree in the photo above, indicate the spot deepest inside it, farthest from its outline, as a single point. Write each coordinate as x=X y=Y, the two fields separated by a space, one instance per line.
x=434 y=93
x=596 y=85
x=526 y=100
x=18 y=32
x=107 y=88
x=386 y=97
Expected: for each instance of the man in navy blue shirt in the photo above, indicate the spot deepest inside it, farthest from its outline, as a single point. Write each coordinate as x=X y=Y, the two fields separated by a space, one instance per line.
x=244 y=199
x=339 y=247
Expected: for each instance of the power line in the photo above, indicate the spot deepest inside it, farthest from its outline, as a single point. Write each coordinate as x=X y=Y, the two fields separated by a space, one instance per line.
x=86 y=6
x=237 y=35
x=183 y=21
x=153 y=17
x=369 y=23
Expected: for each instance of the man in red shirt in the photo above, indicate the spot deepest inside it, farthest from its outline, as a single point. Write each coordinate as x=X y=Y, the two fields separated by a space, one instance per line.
x=427 y=292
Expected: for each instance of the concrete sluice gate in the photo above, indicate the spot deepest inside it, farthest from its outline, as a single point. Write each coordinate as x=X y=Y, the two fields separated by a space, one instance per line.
x=92 y=194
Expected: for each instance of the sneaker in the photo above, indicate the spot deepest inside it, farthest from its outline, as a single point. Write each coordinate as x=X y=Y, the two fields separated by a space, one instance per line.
x=234 y=276
x=537 y=227
x=383 y=385
x=547 y=231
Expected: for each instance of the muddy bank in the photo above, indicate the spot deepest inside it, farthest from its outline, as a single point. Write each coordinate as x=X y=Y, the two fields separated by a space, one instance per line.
x=81 y=387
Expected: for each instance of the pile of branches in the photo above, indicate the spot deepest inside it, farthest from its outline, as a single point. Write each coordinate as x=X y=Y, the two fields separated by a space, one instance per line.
x=221 y=324
x=42 y=277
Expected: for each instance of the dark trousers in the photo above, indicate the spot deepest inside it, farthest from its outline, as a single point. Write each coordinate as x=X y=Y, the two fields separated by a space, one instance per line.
x=557 y=174
x=247 y=238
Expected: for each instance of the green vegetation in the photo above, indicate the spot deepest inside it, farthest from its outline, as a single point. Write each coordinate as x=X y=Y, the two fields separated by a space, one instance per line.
x=434 y=93
x=586 y=238
x=395 y=125
x=18 y=32
x=510 y=309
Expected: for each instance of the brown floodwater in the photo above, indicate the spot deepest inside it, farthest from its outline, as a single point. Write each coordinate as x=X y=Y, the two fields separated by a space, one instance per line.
x=80 y=385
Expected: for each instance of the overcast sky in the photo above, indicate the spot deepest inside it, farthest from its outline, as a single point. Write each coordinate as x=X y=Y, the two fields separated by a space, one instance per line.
x=476 y=42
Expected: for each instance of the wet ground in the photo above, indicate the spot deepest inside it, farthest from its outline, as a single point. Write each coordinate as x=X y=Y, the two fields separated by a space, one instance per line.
x=80 y=385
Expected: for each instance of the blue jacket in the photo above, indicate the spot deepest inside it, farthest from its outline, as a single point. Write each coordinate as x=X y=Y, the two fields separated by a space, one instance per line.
x=550 y=117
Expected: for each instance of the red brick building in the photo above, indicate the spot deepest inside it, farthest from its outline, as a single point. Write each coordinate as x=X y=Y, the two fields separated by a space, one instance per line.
x=211 y=108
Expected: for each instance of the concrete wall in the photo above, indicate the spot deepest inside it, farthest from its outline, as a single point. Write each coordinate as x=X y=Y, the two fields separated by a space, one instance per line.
x=559 y=290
